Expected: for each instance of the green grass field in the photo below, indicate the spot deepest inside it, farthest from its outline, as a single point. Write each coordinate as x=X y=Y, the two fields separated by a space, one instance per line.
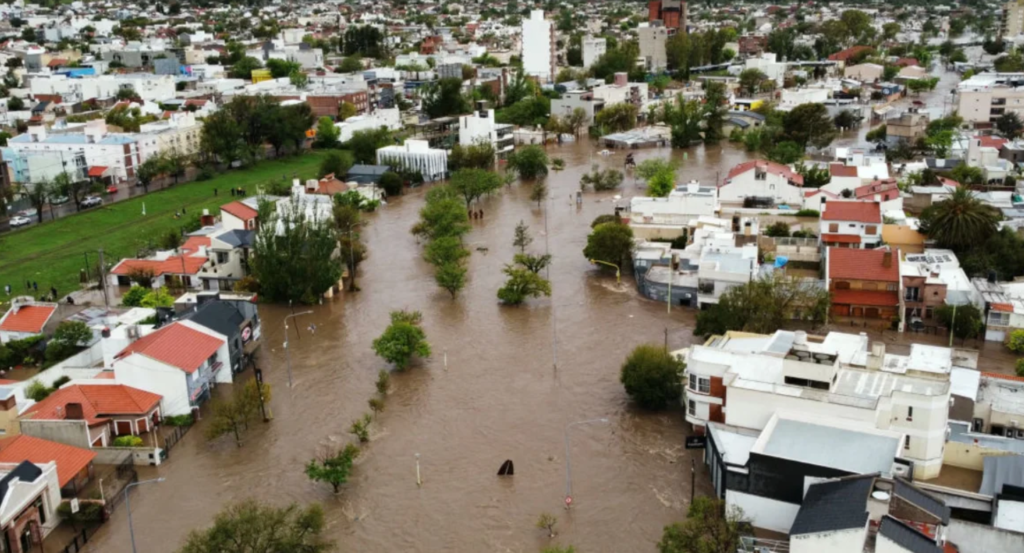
x=53 y=254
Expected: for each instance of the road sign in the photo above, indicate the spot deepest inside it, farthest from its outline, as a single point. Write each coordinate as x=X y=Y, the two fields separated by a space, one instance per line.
x=696 y=442
x=568 y=500
x=74 y=505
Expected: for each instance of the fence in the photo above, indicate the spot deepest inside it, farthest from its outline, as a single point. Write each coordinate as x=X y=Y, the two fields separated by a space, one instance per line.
x=120 y=477
x=77 y=542
x=174 y=436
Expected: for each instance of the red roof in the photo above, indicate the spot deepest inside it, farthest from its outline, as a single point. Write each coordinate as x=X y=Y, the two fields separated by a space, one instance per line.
x=194 y=243
x=865 y=297
x=98 y=401
x=57 y=62
x=948 y=182
x=240 y=210
x=848 y=53
x=861 y=212
x=1003 y=376
x=856 y=264
x=27 y=318
x=177 y=345
x=173 y=265
x=840 y=170
x=879 y=187
x=991 y=142
x=70 y=460
x=768 y=167
x=840 y=238
x=97 y=171
x=906 y=62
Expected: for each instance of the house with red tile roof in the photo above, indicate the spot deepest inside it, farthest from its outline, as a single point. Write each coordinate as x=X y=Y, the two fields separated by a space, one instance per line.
x=884 y=191
x=850 y=224
x=239 y=215
x=24 y=319
x=165 y=267
x=92 y=415
x=74 y=464
x=181 y=362
x=863 y=283
x=844 y=56
x=764 y=180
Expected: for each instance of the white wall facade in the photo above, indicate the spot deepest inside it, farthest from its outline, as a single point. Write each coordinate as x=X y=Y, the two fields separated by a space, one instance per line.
x=766 y=184
x=144 y=373
x=538 y=47
x=593 y=48
x=770 y=514
x=842 y=541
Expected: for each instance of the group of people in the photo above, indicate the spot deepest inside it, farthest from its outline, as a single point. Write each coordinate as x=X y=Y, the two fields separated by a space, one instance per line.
x=32 y=286
x=476 y=214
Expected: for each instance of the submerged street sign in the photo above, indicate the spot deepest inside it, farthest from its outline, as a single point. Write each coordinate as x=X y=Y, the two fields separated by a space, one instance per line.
x=696 y=442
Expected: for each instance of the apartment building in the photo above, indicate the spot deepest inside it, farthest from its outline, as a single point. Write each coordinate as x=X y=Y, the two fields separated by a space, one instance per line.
x=653 y=38
x=930 y=280
x=1012 y=24
x=480 y=126
x=538 y=49
x=671 y=12
x=74 y=151
x=593 y=48
x=986 y=97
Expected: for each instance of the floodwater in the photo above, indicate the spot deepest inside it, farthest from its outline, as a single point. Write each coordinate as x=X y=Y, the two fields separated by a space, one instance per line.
x=497 y=397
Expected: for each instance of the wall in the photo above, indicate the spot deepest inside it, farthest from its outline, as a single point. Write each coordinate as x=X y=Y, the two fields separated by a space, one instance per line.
x=765 y=513
x=968 y=456
x=1009 y=515
x=753 y=409
x=65 y=432
x=77 y=366
x=979 y=538
x=843 y=541
x=116 y=455
x=146 y=374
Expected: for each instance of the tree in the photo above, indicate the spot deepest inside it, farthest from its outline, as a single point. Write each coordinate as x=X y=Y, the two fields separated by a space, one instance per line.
x=610 y=242
x=365 y=40
x=1010 y=125
x=391 y=182
x=778 y=229
x=890 y=30
x=252 y=527
x=159 y=297
x=15 y=103
x=364 y=144
x=280 y=68
x=471 y=184
x=660 y=175
x=547 y=522
x=522 y=283
x=37 y=193
x=350 y=64
x=601 y=180
x=965 y=320
x=616 y=118
x=529 y=162
x=222 y=137
x=993 y=47
x=652 y=377
x=346 y=110
x=231 y=415
x=764 y=305
x=326 y=133
x=67 y=338
x=533 y=263
x=751 y=80
x=522 y=237
x=959 y=222
x=786 y=152
x=710 y=527
x=475 y=156
x=175 y=164
x=444 y=98
x=451 y=277
x=533 y=110
x=878 y=134
x=244 y=67
x=809 y=125
x=814 y=176
x=298 y=79
x=294 y=253
x=539 y=192
x=133 y=297
x=337 y=163
x=402 y=339
x=1016 y=341
x=332 y=465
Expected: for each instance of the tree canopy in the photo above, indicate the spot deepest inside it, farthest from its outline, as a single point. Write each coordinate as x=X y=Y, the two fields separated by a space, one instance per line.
x=252 y=527
x=652 y=377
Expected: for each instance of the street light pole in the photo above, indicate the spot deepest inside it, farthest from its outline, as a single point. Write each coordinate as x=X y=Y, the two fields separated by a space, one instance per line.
x=618 y=272
x=568 y=463
x=287 y=353
x=128 y=505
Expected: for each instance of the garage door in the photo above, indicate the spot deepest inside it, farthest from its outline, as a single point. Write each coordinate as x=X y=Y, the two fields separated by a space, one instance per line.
x=124 y=428
x=995 y=335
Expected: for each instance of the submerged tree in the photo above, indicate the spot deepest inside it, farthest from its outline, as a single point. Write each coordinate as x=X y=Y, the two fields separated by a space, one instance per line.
x=332 y=465
x=652 y=377
x=403 y=339
x=252 y=527
x=710 y=526
x=232 y=415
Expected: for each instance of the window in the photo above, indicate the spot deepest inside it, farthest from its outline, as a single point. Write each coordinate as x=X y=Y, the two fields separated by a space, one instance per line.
x=998 y=319
x=910 y=413
x=833 y=227
x=700 y=385
x=691 y=408
x=842 y=285
x=693 y=382
x=928 y=312
x=892 y=287
x=871 y=229
x=912 y=294
x=906 y=442
x=977 y=425
x=222 y=257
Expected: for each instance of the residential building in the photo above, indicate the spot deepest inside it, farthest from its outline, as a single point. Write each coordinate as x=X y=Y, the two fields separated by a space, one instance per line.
x=886 y=192
x=237 y=320
x=761 y=183
x=908 y=127
x=593 y=48
x=930 y=280
x=74 y=464
x=240 y=215
x=1003 y=312
x=538 y=50
x=92 y=415
x=998 y=410
x=864 y=72
x=479 y=127
x=673 y=13
x=869 y=513
x=863 y=283
x=768 y=64
x=78 y=153
x=652 y=46
x=180 y=266
x=29 y=496
x=851 y=224
x=622 y=91
x=25 y=318
x=752 y=45
x=416 y=155
x=1012 y=24
x=136 y=55
x=577 y=99
x=389 y=118
x=227 y=252
x=182 y=362
x=669 y=217
x=986 y=97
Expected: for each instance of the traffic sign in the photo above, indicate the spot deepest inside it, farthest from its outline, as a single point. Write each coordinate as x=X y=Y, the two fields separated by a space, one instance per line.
x=568 y=500
x=74 y=505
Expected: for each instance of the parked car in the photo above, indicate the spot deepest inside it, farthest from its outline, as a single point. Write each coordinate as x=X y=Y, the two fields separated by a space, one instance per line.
x=112 y=189
x=92 y=201
x=27 y=213
x=59 y=200
x=19 y=221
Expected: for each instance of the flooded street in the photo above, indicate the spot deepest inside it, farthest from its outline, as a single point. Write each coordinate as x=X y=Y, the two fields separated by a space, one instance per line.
x=499 y=398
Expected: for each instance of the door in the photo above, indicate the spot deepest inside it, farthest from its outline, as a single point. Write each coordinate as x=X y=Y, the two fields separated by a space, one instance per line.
x=124 y=428
x=858 y=311
x=871 y=313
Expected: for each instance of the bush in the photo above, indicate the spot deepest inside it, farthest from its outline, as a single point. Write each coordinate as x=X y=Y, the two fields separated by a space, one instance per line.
x=178 y=420
x=88 y=511
x=652 y=377
x=1016 y=341
x=61 y=381
x=38 y=391
x=602 y=219
x=391 y=182
x=779 y=229
x=127 y=441
x=1020 y=367
x=133 y=297
x=808 y=213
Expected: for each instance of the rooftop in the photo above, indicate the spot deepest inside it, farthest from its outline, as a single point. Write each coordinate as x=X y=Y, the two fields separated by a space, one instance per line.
x=858 y=211
x=829 y=443
x=856 y=264
x=70 y=460
x=98 y=402
x=27 y=318
x=177 y=344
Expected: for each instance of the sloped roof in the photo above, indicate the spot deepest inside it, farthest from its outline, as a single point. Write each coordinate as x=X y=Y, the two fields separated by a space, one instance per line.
x=27 y=318
x=840 y=170
x=923 y=500
x=840 y=238
x=240 y=210
x=906 y=536
x=174 y=265
x=177 y=345
x=768 y=167
x=855 y=264
x=832 y=506
x=97 y=401
x=70 y=460
x=861 y=212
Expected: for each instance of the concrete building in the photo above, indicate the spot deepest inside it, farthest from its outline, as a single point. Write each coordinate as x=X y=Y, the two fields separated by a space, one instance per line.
x=92 y=415
x=538 y=51
x=479 y=126
x=863 y=283
x=1012 y=24
x=986 y=97
x=765 y=182
x=930 y=280
x=93 y=146
x=416 y=155
x=582 y=99
x=669 y=217
x=652 y=46
x=864 y=72
x=29 y=496
x=908 y=127
x=671 y=12
x=593 y=48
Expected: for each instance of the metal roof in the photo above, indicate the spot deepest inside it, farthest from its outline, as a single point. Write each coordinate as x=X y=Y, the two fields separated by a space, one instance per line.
x=1000 y=470
x=833 y=447
x=907 y=537
x=835 y=505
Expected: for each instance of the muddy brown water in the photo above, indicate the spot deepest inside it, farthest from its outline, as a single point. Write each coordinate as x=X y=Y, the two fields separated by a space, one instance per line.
x=499 y=398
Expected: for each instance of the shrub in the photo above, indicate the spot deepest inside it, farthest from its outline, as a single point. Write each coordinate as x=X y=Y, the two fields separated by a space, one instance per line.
x=808 y=213
x=652 y=377
x=178 y=420
x=127 y=441
x=1016 y=341
x=61 y=381
x=1020 y=367
x=133 y=297
x=361 y=428
x=391 y=182
x=88 y=511
x=37 y=391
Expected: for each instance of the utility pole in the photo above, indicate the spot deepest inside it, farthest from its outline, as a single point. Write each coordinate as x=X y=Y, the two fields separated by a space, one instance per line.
x=693 y=479
x=666 y=339
x=287 y=352
x=103 y=279
x=547 y=275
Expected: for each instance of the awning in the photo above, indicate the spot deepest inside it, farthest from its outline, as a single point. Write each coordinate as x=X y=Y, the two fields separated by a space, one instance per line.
x=840 y=238
x=98 y=171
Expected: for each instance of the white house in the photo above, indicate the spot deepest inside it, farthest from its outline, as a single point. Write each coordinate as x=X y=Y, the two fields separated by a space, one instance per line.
x=25 y=318
x=389 y=118
x=767 y=63
x=240 y=215
x=762 y=179
x=416 y=155
x=479 y=126
x=851 y=224
x=181 y=362
x=94 y=151
x=182 y=264
x=538 y=53
x=28 y=503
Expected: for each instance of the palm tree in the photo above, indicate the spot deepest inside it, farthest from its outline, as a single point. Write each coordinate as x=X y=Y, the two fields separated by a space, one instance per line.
x=960 y=222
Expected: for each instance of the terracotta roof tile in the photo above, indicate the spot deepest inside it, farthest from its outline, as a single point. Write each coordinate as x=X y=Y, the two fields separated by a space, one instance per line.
x=27 y=318
x=174 y=265
x=856 y=264
x=865 y=297
x=1003 y=376
x=98 y=401
x=177 y=345
x=70 y=460
x=767 y=166
x=861 y=212
x=840 y=170
x=240 y=210
x=991 y=142
x=840 y=238
x=848 y=53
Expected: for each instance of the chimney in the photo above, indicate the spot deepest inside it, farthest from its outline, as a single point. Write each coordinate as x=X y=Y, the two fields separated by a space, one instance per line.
x=887 y=259
x=207 y=220
x=992 y=277
x=74 y=412
x=876 y=356
x=621 y=79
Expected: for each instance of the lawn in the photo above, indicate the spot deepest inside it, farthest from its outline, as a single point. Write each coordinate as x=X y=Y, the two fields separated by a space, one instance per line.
x=53 y=254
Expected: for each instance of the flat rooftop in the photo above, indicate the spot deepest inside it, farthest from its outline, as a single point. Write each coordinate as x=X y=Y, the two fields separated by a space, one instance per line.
x=823 y=445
